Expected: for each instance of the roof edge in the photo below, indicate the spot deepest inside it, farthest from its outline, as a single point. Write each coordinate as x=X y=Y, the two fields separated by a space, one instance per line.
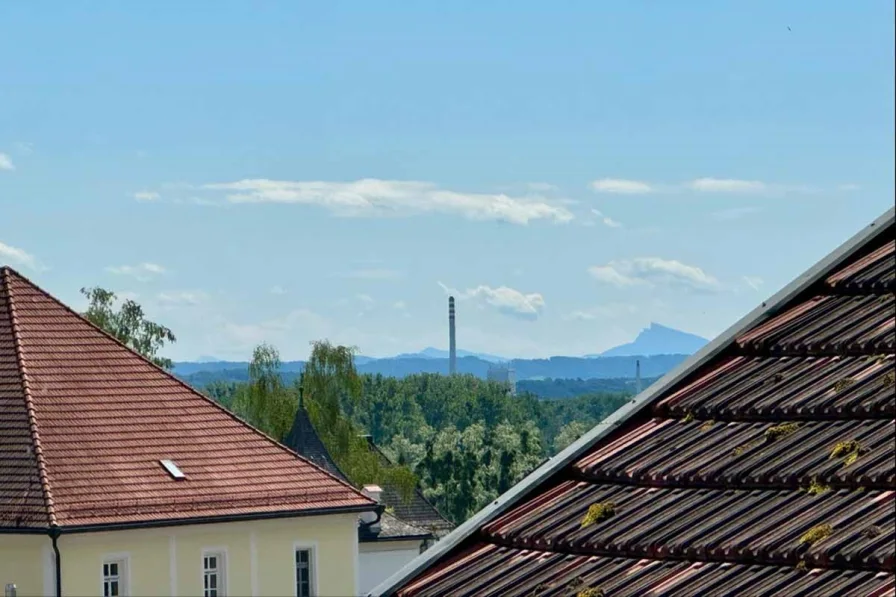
x=29 y=403
x=6 y=270
x=176 y=522
x=553 y=465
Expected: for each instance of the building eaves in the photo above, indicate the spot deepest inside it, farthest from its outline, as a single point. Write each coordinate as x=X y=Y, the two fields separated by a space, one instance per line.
x=681 y=374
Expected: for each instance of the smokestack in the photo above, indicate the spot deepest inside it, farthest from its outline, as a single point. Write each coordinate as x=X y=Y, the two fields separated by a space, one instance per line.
x=637 y=377
x=452 y=346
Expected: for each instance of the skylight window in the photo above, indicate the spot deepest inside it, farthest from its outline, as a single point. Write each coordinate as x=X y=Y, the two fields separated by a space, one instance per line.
x=172 y=469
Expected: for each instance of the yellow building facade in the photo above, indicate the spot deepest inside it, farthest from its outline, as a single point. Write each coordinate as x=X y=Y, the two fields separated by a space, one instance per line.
x=256 y=558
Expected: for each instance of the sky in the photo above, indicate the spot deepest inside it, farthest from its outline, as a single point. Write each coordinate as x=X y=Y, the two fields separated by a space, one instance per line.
x=283 y=172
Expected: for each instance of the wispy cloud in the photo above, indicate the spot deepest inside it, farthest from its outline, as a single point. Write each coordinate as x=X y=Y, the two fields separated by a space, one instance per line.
x=24 y=147
x=141 y=272
x=727 y=185
x=277 y=290
x=707 y=184
x=606 y=220
x=374 y=197
x=621 y=186
x=508 y=301
x=399 y=305
x=655 y=272
x=146 y=196
x=754 y=282
x=371 y=274
x=849 y=187
x=6 y=162
x=181 y=297
x=17 y=256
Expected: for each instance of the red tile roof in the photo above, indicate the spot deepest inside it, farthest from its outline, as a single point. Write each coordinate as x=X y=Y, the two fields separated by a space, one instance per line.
x=711 y=485
x=84 y=422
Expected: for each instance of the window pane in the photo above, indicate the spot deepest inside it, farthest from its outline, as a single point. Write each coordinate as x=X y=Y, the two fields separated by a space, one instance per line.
x=113 y=569
x=114 y=588
x=105 y=569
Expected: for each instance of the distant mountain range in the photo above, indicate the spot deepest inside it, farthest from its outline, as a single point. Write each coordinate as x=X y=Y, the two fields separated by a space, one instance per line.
x=437 y=353
x=659 y=349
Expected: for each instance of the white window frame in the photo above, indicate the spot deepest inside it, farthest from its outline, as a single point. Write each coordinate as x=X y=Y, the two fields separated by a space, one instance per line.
x=223 y=568
x=311 y=548
x=123 y=560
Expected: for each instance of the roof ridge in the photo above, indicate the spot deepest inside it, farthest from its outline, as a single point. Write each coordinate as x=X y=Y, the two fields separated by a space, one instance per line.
x=29 y=403
x=8 y=270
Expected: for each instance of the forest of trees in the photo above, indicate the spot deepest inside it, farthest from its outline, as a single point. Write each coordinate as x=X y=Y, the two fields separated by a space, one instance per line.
x=463 y=439
x=466 y=440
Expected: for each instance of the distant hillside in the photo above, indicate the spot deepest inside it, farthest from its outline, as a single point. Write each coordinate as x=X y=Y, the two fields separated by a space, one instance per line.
x=200 y=374
x=437 y=353
x=658 y=339
x=570 y=388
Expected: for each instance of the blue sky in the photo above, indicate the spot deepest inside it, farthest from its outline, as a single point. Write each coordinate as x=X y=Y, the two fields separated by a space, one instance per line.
x=282 y=171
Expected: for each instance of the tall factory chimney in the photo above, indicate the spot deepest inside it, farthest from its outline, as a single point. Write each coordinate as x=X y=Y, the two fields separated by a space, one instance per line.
x=637 y=377
x=452 y=344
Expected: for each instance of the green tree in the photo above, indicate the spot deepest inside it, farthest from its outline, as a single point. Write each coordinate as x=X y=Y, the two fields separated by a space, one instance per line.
x=330 y=381
x=568 y=434
x=128 y=324
x=265 y=402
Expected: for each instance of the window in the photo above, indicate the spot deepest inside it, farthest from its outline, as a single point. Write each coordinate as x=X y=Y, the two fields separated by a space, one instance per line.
x=173 y=469
x=114 y=578
x=213 y=574
x=304 y=580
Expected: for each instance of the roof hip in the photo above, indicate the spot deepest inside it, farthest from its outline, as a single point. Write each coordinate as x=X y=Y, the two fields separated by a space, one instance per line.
x=29 y=403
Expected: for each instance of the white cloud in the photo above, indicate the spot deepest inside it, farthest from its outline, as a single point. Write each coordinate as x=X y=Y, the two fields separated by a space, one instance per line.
x=6 y=162
x=277 y=290
x=181 y=298
x=17 y=256
x=506 y=300
x=608 y=221
x=754 y=282
x=621 y=186
x=24 y=147
x=727 y=185
x=146 y=196
x=374 y=197
x=399 y=305
x=371 y=274
x=849 y=187
x=653 y=272
x=141 y=272
x=365 y=298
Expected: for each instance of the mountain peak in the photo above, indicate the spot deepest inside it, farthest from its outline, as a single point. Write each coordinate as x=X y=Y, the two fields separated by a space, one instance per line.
x=658 y=339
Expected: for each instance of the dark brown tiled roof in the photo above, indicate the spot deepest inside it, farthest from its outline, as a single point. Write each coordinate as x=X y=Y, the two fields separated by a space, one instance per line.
x=769 y=469
x=84 y=422
x=417 y=511
x=304 y=441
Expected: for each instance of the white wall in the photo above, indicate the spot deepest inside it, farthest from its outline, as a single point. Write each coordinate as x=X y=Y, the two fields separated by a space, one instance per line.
x=377 y=561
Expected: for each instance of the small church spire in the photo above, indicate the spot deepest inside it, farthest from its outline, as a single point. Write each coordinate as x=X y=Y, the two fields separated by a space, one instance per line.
x=301 y=390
